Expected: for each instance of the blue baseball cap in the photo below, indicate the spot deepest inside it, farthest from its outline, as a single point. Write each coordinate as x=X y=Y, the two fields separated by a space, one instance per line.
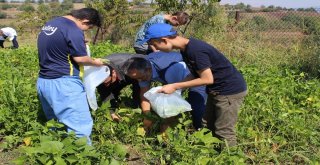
x=159 y=30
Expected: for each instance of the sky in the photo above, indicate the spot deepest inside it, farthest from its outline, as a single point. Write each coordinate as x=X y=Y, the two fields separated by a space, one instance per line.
x=282 y=3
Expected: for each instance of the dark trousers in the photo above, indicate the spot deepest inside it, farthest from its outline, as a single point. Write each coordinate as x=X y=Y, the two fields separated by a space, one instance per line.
x=197 y=97
x=221 y=115
x=1 y=43
x=15 y=44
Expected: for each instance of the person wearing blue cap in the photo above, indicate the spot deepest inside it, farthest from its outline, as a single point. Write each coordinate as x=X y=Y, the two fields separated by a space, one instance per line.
x=165 y=68
x=225 y=85
x=175 y=19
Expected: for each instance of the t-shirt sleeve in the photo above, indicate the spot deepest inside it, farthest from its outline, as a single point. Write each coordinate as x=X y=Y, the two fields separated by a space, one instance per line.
x=144 y=83
x=76 y=43
x=202 y=60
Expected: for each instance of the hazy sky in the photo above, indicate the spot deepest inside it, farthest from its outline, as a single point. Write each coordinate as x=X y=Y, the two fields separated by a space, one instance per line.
x=282 y=3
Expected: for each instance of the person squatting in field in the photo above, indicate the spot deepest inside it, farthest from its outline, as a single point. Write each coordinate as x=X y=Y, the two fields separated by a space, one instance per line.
x=62 y=53
x=225 y=86
x=175 y=19
x=11 y=34
x=110 y=89
x=165 y=68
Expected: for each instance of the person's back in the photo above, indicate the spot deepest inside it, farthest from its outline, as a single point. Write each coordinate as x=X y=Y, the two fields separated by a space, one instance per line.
x=111 y=90
x=227 y=79
x=54 y=50
x=142 y=30
x=11 y=34
x=61 y=52
x=168 y=67
x=175 y=19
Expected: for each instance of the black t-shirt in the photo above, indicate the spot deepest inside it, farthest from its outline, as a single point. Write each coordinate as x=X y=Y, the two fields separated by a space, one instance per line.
x=199 y=55
x=117 y=61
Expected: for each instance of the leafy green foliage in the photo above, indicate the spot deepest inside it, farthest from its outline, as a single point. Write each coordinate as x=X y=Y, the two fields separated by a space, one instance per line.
x=6 y=6
x=278 y=123
x=26 y=7
x=206 y=16
x=310 y=25
x=120 y=24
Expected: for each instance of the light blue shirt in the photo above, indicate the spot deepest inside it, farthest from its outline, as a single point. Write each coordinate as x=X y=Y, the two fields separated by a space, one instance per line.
x=140 y=36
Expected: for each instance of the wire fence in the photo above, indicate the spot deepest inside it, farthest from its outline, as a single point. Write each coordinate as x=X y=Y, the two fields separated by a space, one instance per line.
x=281 y=24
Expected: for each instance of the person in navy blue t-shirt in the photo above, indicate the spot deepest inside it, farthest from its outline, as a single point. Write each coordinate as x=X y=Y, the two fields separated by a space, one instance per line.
x=165 y=68
x=62 y=55
x=226 y=87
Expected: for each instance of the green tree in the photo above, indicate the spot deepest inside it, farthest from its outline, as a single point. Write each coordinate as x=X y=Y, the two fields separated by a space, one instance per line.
x=138 y=2
x=67 y=5
x=119 y=22
x=206 y=16
x=240 y=6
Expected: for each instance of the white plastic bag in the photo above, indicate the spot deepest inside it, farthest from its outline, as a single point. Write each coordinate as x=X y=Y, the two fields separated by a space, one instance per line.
x=93 y=77
x=167 y=105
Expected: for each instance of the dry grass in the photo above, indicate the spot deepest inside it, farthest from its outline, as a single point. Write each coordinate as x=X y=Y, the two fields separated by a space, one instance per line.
x=7 y=157
x=78 y=5
x=24 y=38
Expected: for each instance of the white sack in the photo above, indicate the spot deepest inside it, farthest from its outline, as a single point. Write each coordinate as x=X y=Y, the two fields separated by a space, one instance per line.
x=167 y=105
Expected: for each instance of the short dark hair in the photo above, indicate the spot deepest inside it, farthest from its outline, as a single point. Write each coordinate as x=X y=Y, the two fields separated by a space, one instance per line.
x=88 y=13
x=140 y=64
x=182 y=17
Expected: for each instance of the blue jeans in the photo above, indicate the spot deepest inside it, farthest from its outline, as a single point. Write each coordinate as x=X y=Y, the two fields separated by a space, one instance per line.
x=64 y=99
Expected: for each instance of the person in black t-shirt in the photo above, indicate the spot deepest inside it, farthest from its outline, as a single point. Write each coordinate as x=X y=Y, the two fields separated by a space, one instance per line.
x=111 y=87
x=225 y=85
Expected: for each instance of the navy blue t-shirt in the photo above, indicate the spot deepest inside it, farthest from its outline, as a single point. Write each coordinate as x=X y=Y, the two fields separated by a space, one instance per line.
x=199 y=55
x=59 y=40
x=160 y=62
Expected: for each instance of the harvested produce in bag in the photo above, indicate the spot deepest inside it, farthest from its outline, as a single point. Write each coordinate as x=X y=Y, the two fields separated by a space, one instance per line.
x=167 y=105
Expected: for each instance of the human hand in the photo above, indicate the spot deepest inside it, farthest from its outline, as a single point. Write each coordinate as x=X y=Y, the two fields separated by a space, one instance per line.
x=97 y=61
x=115 y=117
x=168 y=89
x=147 y=124
x=105 y=61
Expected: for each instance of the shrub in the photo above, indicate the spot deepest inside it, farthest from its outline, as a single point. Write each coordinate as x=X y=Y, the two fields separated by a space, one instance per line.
x=6 y=6
x=259 y=20
x=295 y=19
x=26 y=8
x=3 y=15
x=312 y=25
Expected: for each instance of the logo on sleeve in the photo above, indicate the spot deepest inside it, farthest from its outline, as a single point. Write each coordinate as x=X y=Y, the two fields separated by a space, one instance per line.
x=49 y=30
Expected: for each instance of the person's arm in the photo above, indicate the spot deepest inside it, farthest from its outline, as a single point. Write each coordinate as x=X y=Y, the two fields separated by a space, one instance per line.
x=153 y=48
x=205 y=78
x=145 y=107
x=105 y=95
x=86 y=60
